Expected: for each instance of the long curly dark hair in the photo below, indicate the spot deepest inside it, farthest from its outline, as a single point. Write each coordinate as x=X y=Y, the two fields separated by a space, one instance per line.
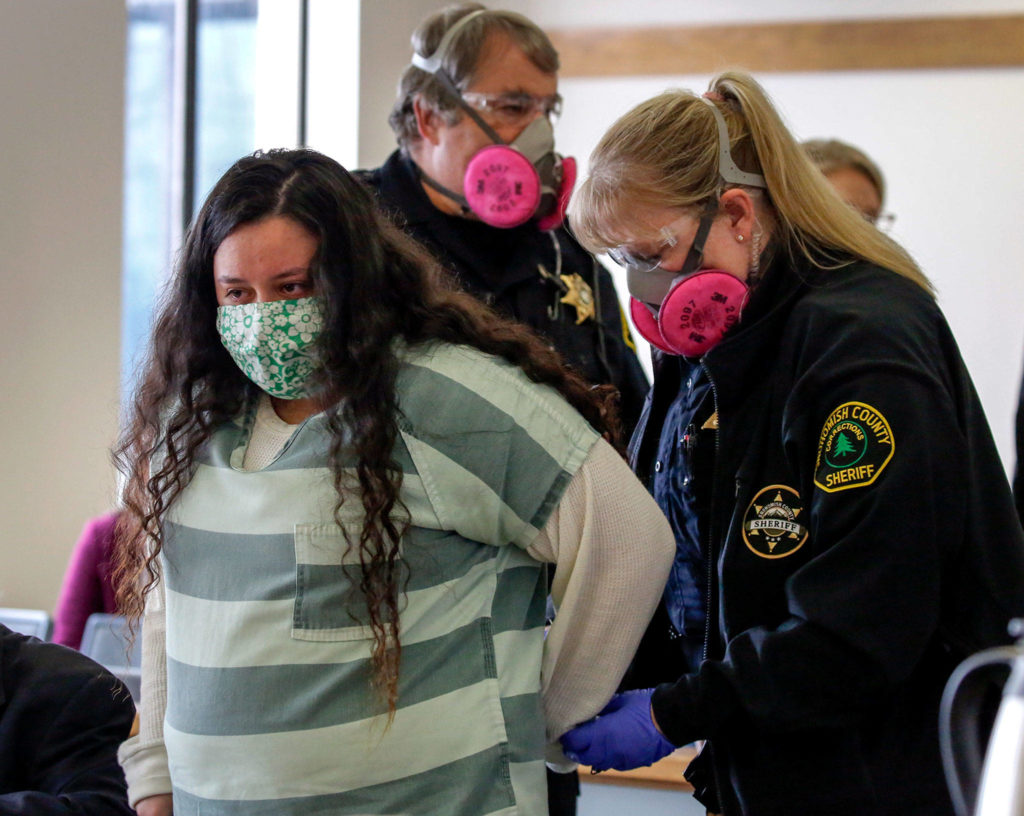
x=377 y=285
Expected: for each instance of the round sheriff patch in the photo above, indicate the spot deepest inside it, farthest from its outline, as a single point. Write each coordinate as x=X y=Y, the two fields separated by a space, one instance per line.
x=771 y=528
x=855 y=445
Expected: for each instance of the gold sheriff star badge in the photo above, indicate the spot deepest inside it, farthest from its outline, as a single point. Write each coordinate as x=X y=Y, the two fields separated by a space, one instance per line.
x=579 y=295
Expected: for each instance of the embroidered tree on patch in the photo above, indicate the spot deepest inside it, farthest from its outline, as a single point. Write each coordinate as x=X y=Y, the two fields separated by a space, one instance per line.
x=843 y=445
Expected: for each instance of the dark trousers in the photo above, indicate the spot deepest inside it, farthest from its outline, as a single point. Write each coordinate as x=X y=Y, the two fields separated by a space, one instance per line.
x=562 y=792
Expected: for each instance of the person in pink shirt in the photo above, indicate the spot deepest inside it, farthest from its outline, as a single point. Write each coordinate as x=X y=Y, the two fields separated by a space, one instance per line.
x=87 y=586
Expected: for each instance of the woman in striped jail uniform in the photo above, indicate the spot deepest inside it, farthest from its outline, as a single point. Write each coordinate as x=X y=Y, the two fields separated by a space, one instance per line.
x=344 y=482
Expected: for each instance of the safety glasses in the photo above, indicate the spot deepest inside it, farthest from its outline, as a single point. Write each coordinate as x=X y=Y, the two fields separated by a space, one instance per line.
x=650 y=284
x=513 y=108
x=630 y=257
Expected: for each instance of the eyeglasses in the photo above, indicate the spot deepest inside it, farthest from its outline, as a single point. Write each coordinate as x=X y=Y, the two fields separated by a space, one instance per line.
x=652 y=285
x=884 y=221
x=881 y=220
x=631 y=258
x=513 y=108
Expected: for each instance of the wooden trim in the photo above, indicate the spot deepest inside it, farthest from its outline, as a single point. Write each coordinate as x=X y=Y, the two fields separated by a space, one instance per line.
x=848 y=45
x=666 y=774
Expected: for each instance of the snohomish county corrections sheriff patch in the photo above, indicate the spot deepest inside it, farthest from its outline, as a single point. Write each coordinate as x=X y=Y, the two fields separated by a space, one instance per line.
x=855 y=445
x=771 y=528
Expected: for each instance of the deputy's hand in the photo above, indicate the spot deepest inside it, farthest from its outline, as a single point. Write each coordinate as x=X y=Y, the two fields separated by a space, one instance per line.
x=159 y=805
x=622 y=736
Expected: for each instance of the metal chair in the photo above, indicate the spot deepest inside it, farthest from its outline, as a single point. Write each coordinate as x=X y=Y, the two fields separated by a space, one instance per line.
x=105 y=640
x=34 y=622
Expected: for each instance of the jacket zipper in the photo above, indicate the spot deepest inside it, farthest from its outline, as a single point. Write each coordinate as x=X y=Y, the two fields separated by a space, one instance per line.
x=710 y=554
x=711 y=559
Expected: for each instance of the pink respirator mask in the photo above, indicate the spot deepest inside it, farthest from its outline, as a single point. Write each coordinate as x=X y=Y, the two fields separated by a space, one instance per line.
x=695 y=314
x=686 y=312
x=506 y=184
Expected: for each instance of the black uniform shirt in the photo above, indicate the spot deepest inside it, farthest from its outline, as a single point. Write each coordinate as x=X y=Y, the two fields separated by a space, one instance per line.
x=518 y=272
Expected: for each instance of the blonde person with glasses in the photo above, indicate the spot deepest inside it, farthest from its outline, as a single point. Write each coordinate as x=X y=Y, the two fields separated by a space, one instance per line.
x=845 y=533
x=856 y=178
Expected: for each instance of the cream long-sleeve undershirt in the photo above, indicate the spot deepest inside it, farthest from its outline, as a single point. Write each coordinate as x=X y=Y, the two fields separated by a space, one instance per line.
x=612 y=549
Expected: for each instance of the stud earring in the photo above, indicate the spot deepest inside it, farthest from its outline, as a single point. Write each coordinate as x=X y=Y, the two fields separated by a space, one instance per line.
x=739 y=238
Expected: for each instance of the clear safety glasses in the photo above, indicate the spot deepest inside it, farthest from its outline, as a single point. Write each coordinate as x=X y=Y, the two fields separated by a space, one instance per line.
x=514 y=108
x=883 y=221
x=650 y=284
x=631 y=257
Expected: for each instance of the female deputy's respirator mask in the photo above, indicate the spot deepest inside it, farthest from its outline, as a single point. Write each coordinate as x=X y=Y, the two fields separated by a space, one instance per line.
x=695 y=307
x=506 y=185
x=695 y=313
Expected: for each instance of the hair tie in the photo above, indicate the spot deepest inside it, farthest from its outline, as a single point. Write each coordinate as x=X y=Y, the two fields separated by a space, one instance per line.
x=714 y=96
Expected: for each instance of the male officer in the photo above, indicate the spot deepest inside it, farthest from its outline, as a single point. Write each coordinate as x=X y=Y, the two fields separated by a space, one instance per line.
x=482 y=80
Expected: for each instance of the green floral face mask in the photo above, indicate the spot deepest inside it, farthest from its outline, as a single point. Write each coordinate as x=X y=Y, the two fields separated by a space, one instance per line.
x=271 y=342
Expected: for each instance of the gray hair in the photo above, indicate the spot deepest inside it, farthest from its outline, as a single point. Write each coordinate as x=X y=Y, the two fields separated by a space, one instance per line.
x=831 y=155
x=461 y=60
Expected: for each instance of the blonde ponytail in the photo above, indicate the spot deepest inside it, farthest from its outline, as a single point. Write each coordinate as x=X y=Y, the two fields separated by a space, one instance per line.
x=809 y=215
x=664 y=153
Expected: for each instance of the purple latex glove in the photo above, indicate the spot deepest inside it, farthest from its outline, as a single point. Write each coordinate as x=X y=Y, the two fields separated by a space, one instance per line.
x=622 y=736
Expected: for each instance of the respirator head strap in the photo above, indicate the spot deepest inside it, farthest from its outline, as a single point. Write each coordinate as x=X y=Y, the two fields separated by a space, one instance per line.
x=456 y=95
x=696 y=253
x=451 y=194
x=727 y=167
x=651 y=287
x=433 y=65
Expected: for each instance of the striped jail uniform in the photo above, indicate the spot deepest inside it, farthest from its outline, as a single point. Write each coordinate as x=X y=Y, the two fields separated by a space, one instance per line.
x=270 y=708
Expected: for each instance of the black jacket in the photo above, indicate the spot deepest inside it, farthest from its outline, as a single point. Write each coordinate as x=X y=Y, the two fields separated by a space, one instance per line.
x=62 y=717
x=861 y=540
x=500 y=266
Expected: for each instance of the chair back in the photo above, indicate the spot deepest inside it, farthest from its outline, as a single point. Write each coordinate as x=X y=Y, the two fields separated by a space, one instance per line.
x=131 y=676
x=34 y=622
x=106 y=639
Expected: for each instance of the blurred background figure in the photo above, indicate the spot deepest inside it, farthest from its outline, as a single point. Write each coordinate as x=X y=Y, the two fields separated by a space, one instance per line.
x=856 y=178
x=87 y=587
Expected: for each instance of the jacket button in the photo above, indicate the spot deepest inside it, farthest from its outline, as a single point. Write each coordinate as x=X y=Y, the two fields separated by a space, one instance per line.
x=657 y=466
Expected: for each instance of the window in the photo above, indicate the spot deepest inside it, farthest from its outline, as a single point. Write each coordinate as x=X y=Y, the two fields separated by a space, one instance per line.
x=147 y=178
x=207 y=82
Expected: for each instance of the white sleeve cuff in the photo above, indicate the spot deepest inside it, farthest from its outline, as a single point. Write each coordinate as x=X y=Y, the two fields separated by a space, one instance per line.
x=556 y=760
x=145 y=769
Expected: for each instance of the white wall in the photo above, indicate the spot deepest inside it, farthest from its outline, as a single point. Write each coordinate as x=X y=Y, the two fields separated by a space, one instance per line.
x=62 y=109
x=639 y=13
x=358 y=51
x=385 y=52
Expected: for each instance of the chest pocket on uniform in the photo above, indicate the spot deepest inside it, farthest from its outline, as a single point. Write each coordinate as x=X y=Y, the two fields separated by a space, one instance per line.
x=329 y=605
